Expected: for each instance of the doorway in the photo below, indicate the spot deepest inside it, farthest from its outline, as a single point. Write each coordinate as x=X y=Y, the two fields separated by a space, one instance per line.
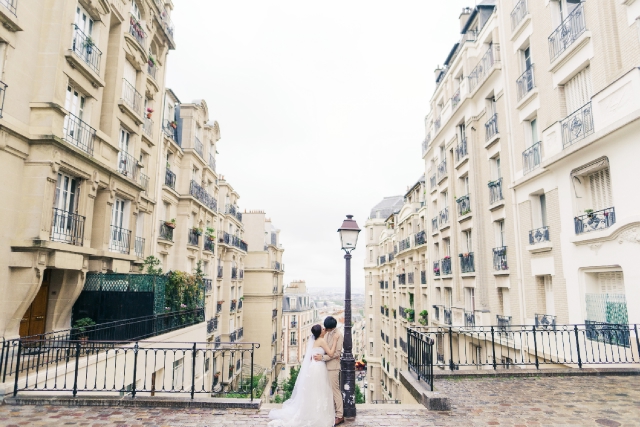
x=35 y=318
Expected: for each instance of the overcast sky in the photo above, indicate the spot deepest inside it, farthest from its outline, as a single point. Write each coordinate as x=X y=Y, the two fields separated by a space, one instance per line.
x=321 y=108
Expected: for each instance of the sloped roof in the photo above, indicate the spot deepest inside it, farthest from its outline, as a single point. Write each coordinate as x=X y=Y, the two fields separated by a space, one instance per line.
x=386 y=207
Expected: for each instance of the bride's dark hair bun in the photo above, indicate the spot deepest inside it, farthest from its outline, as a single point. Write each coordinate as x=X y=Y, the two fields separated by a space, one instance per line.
x=316 y=330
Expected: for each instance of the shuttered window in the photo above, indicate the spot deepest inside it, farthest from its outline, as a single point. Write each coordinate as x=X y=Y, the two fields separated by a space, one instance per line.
x=611 y=283
x=600 y=186
x=577 y=91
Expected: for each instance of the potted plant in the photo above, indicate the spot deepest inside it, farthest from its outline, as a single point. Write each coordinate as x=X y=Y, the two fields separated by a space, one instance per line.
x=234 y=301
x=88 y=45
x=409 y=312
x=171 y=224
x=152 y=61
x=81 y=325
x=149 y=112
x=197 y=231
x=210 y=233
x=589 y=212
x=173 y=124
x=424 y=317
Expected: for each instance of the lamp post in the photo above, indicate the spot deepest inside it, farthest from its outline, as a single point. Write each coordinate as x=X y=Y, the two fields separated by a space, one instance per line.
x=348 y=237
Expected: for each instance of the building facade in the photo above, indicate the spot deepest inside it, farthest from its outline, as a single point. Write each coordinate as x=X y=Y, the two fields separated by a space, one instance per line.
x=299 y=314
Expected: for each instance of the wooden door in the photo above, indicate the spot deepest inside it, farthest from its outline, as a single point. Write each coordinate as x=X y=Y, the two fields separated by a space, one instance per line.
x=34 y=320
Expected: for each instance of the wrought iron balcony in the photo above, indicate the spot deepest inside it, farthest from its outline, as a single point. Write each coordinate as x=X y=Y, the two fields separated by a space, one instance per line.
x=546 y=321
x=420 y=238
x=539 y=235
x=139 y=247
x=567 y=33
x=526 y=82
x=232 y=336
x=131 y=97
x=594 y=221
x=120 y=240
x=577 y=125
x=402 y=279
x=166 y=232
x=436 y=312
x=436 y=268
x=127 y=165
x=503 y=321
x=294 y=324
x=208 y=286
x=239 y=304
x=3 y=91
x=78 y=133
x=455 y=99
x=234 y=273
x=165 y=20
x=382 y=284
x=144 y=182
x=404 y=244
x=232 y=240
x=209 y=245
x=434 y=224
x=232 y=306
x=218 y=307
x=170 y=130
x=469 y=319
x=495 y=191
x=410 y=278
x=531 y=158
x=518 y=13
x=467 y=264
x=212 y=325
x=275 y=265
x=194 y=237
x=274 y=313
x=212 y=162
x=464 y=205
x=12 y=5
x=391 y=256
x=491 y=127
x=85 y=48
x=197 y=191
x=423 y=277
x=67 y=227
x=443 y=217
x=135 y=29
x=147 y=126
x=198 y=146
x=461 y=150
x=432 y=181
x=403 y=314
x=152 y=69
x=500 y=259
x=442 y=170
x=446 y=266
x=220 y=272
x=447 y=316
x=481 y=71
x=436 y=125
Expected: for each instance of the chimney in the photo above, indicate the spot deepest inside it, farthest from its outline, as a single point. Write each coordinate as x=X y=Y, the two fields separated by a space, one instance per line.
x=437 y=72
x=464 y=17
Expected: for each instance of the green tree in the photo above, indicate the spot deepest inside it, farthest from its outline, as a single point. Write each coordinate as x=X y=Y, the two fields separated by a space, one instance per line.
x=290 y=383
x=359 y=395
x=151 y=264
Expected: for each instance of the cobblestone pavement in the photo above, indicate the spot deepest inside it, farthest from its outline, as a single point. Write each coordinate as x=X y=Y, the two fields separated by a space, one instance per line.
x=550 y=401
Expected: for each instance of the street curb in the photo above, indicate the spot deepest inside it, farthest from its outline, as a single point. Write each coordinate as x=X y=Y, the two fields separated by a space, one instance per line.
x=137 y=402
x=432 y=400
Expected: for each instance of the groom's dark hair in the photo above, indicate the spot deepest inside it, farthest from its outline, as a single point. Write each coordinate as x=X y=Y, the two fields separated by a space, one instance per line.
x=330 y=322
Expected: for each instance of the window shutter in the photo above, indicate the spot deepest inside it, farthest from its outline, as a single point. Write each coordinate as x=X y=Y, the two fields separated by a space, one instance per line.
x=611 y=283
x=600 y=186
x=578 y=90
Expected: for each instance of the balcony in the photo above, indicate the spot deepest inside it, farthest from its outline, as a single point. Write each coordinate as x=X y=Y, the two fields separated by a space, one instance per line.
x=446 y=266
x=234 y=273
x=423 y=277
x=147 y=126
x=469 y=319
x=209 y=245
x=131 y=97
x=85 y=48
x=208 y=286
x=546 y=321
x=491 y=128
x=240 y=304
x=567 y=33
x=3 y=91
x=220 y=272
x=127 y=165
x=442 y=170
x=233 y=211
x=404 y=244
x=11 y=5
x=577 y=125
x=166 y=231
x=500 y=259
x=67 y=227
x=481 y=71
x=539 y=235
x=447 y=316
x=464 y=205
x=518 y=13
x=165 y=20
x=391 y=256
x=138 y=247
x=382 y=284
x=594 y=221
x=232 y=306
x=434 y=224
x=410 y=278
x=436 y=125
x=194 y=237
x=232 y=337
x=402 y=279
x=275 y=265
x=467 y=264
x=135 y=29
x=432 y=181
x=461 y=150
x=503 y=321
x=212 y=162
x=232 y=240
x=443 y=217
x=294 y=324
x=78 y=133
x=200 y=194
x=120 y=240
x=525 y=83
x=420 y=238
x=455 y=100
x=274 y=313
x=170 y=129
x=495 y=191
x=531 y=158
x=219 y=307
x=144 y=182
x=197 y=144
x=436 y=268
x=152 y=69
x=212 y=325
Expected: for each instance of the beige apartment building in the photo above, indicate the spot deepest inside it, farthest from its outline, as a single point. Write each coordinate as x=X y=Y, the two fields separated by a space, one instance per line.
x=299 y=314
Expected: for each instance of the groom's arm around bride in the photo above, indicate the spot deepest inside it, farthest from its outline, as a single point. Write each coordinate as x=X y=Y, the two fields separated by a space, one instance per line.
x=333 y=364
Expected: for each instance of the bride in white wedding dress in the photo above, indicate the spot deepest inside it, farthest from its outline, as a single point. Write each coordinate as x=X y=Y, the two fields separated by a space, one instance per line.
x=311 y=403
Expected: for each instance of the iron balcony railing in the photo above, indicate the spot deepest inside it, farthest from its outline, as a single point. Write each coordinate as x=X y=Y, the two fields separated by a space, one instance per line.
x=67 y=227
x=436 y=268
x=402 y=279
x=220 y=271
x=455 y=99
x=495 y=191
x=274 y=313
x=167 y=25
x=447 y=316
x=12 y=5
x=461 y=150
x=127 y=165
x=503 y=321
x=232 y=306
x=212 y=325
x=531 y=158
x=212 y=162
x=446 y=266
x=275 y=265
x=434 y=224
x=239 y=307
x=166 y=232
x=594 y=221
x=491 y=127
x=120 y=240
x=567 y=32
x=402 y=312
x=218 y=307
x=443 y=217
x=85 y=48
x=198 y=146
x=381 y=284
x=391 y=256
x=229 y=239
x=500 y=259
x=546 y=321
x=442 y=170
x=139 y=247
x=467 y=264
x=208 y=286
x=170 y=179
x=79 y=133
x=131 y=97
x=232 y=338
x=432 y=181
x=144 y=182
x=577 y=125
x=469 y=319
x=386 y=284
x=436 y=312
x=420 y=238
x=539 y=235
x=152 y=70
x=170 y=130
x=404 y=244
x=200 y=194
x=526 y=82
x=135 y=29
x=194 y=237
x=3 y=92
x=425 y=144
x=436 y=125
x=481 y=71
x=147 y=126
x=409 y=279
x=209 y=245
x=234 y=272
x=423 y=277
x=518 y=13
x=464 y=205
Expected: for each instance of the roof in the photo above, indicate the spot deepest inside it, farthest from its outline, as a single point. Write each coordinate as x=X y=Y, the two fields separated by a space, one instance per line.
x=386 y=207
x=417 y=184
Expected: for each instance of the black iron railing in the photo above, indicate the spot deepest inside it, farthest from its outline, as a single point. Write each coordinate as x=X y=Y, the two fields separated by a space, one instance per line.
x=67 y=227
x=539 y=235
x=491 y=127
x=234 y=272
x=461 y=150
x=218 y=307
x=495 y=191
x=577 y=125
x=402 y=279
x=481 y=71
x=79 y=133
x=131 y=97
x=120 y=240
x=567 y=33
x=443 y=217
x=467 y=264
x=170 y=129
x=455 y=99
x=469 y=319
x=436 y=268
x=442 y=170
x=239 y=304
x=410 y=278
x=404 y=244
x=403 y=314
x=594 y=221
x=434 y=224
x=232 y=336
x=220 y=271
x=500 y=259
x=135 y=29
x=531 y=158
x=208 y=245
x=447 y=316
x=12 y=5
x=208 y=286
x=446 y=266
x=419 y=351
x=544 y=321
x=198 y=146
x=139 y=247
x=194 y=237
x=423 y=277
x=232 y=240
x=232 y=306
x=518 y=13
x=526 y=82
x=432 y=181
x=464 y=205
x=197 y=191
x=147 y=126
x=166 y=231
x=3 y=92
x=84 y=46
x=382 y=259
x=127 y=165
x=212 y=162
x=420 y=238
x=170 y=179
x=212 y=325
x=152 y=69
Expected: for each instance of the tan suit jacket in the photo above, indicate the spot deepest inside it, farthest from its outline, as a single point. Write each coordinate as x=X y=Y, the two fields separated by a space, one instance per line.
x=333 y=363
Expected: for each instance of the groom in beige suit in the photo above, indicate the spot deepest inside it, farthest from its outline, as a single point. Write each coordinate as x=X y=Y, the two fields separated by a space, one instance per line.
x=333 y=365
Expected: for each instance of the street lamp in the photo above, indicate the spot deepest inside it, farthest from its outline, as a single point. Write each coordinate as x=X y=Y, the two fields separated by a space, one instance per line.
x=348 y=238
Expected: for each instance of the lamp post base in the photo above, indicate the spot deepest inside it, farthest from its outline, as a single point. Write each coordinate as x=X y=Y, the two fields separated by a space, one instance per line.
x=348 y=384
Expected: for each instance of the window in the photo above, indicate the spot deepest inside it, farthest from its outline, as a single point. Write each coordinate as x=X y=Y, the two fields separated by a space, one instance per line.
x=117 y=214
x=600 y=189
x=470 y=299
x=467 y=242
x=75 y=102
x=462 y=131
x=370 y=255
x=499 y=226
x=533 y=127
x=135 y=10
x=292 y=303
x=605 y=298
x=371 y=352
x=448 y=298
x=370 y=300
x=526 y=58
x=447 y=247
x=131 y=76
x=178 y=372
x=495 y=168
x=577 y=91
x=370 y=325
x=465 y=185
x=371 y=233
x=67 y=192
x=548 y=296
